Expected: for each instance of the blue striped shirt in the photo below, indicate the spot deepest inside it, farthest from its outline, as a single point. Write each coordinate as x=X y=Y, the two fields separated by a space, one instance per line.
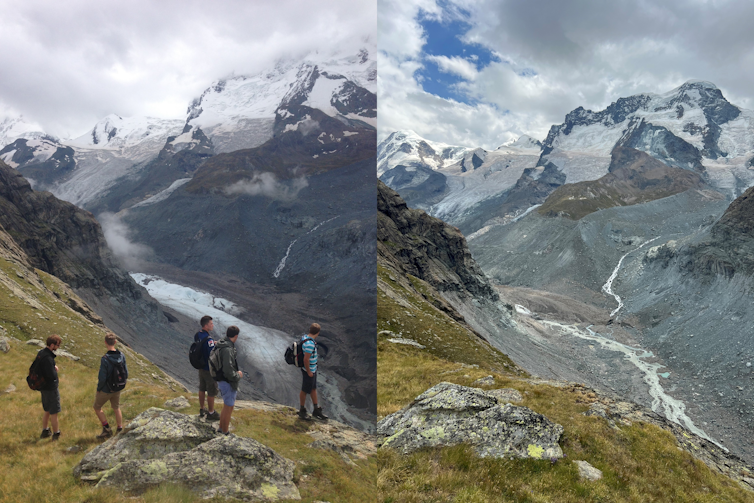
x=310 y=347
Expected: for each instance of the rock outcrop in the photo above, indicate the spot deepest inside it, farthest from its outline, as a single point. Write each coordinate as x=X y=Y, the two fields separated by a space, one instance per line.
x=450 y=414
x=161 y=446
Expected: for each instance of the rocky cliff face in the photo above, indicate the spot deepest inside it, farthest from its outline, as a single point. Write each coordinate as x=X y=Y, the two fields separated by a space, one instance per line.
x=67 y=242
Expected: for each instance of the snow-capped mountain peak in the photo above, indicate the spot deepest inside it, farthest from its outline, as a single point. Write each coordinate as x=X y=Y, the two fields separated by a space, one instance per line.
x=406 y=147
x=525 y=142
x=114 y=132
x=336 y=84
x=13 y=128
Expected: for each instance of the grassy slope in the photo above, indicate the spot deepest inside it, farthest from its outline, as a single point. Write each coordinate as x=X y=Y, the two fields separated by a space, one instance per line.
x=640 y=463
x=39 y=470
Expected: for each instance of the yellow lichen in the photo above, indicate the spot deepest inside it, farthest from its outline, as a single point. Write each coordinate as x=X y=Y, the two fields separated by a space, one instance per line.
x=535 y=451
x=270 y=491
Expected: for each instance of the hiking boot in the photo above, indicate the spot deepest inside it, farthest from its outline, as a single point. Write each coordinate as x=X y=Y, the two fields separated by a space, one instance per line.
x=46 y=433
x=56 y=436
x=214 y=416
x=202 y=412
x=119 y=430
x=107 y=432
x=303 y=414
x=317 y=414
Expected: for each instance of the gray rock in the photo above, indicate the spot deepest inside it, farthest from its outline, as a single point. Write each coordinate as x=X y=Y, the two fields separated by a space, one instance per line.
x=484 y=381
x=587 y=471
x=152 y=434
x=35 y=342
x=242 y=468
x=506 y=395
x=449 y=414
x=73 y=449
x=161 y=446
x=180 y=402
x=10 y=389
x=63 y=352
x=4 y=345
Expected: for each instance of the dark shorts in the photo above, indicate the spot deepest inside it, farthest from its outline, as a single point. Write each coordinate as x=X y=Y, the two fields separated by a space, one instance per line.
x=206 y=383
x=51 y=401
x=310 y=383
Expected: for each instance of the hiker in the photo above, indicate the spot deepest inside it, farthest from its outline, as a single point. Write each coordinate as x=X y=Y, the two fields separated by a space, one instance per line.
x=111 y=380
x=207 y=385
x=50 y=394
x=225 y=367
x=309 y=374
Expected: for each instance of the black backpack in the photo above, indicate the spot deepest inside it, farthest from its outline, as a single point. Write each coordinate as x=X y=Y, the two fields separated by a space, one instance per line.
x=116 y=381
x=294 y=354
x=35 y=380
x=196 y=355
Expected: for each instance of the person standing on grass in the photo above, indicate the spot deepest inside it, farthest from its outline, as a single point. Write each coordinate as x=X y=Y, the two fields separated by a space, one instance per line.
x=309 y=374
x=50 y=394
x=111 y=365
x=207 y=385
x=224 y=364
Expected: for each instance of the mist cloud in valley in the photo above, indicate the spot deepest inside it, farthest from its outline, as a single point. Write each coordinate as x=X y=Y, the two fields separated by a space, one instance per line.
x=266 y=184
x=131 y=255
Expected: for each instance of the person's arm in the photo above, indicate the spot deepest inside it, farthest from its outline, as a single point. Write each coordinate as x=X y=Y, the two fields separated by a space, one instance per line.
x=307 y=357
x=102 y=376
x=229 y=370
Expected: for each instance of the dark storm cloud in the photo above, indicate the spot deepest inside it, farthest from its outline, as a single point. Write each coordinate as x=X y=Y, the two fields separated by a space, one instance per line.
x=67 y=64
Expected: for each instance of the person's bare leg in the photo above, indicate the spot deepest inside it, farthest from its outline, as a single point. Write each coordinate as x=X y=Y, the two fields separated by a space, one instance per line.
x=302 y=398
x=201 y=399
x=210 y=404
x=54 y=423
x=119 y=418
x=101 y=416
x=45 y=420
x=314 y=398
x=225 y=418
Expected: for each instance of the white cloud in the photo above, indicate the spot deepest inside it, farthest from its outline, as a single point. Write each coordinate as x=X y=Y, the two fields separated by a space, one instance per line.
x=68 y=64
x=555 y=56
x=456 y=66
x=266 y=184
x=118 y=238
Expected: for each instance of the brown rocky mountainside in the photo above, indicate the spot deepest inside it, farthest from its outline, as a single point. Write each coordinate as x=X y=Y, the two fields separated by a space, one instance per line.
x=634 y=177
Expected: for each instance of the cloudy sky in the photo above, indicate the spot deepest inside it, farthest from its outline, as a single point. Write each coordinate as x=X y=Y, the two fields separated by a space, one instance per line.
x=65 y=65
x=478 y=73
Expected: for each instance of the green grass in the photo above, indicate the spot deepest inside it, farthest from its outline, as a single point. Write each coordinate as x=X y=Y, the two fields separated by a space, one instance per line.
x=640 y=463
x=40 y=470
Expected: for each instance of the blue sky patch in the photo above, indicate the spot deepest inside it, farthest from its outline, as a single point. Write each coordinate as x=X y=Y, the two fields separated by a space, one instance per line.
x=444 y=39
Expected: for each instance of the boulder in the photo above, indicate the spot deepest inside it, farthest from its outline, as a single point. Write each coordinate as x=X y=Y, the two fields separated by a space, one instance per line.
x=484 y=381
x=4 y=345
x=161 y=446
x=450 y=414
x=35 y=342
x=587 y=471
x=180 y=402
x=506 y=395
x=10 y=389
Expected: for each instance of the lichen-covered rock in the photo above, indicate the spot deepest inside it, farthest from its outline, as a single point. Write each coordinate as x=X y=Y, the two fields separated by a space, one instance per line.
x=151 y=435
x=240 y=468
x=180 y=402
x=164 y=446
x=450 y=414
x=4 y=345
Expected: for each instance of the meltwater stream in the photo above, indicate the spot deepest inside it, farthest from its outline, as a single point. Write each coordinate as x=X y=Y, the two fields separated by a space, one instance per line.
x=608 y=286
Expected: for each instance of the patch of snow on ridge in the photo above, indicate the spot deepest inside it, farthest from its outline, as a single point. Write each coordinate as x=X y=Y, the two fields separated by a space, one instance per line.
x=13 y=128
x=161 y=196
